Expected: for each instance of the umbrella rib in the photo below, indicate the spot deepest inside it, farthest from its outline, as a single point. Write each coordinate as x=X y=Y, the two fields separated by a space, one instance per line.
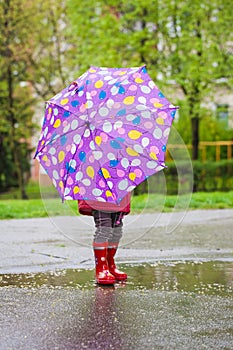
x=68 y=132
x=134 y=112
x=129 y=145
x=53 y=141
x=107 y=98
x=72 y=113
x=166 y=106
x=141 y=154
x=105 y=180
x=156 y=110
x=72 y=159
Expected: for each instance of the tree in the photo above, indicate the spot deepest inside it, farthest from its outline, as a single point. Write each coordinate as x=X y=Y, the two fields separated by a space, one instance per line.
x=184 y=42
x=113 y=32
x=195 y=40
x=96 y=35
x=33 y=50
x=16 y=125
x=48 y=56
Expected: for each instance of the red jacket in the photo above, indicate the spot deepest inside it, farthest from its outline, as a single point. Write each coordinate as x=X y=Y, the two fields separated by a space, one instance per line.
x=86 y=207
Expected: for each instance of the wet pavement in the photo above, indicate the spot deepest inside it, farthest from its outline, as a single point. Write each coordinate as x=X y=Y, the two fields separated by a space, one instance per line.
x=178 y=294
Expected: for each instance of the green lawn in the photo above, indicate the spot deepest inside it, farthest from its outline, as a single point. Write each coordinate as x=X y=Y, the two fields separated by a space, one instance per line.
x=17 y=208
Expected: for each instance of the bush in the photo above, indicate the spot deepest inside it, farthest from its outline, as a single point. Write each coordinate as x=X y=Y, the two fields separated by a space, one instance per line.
x=213 y=176
x=180 y=177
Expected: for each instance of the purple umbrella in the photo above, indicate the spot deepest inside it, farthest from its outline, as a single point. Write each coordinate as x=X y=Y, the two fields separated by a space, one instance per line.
x=104 y=134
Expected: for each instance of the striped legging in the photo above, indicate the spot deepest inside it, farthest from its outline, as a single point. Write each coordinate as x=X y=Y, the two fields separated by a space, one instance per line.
x=108 y=226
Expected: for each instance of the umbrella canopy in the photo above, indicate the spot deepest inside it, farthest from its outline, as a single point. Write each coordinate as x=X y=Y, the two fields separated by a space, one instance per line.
x=104 y=134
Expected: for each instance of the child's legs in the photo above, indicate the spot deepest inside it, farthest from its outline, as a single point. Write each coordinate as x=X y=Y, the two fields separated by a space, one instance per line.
x=103 y=224
x=117 y=225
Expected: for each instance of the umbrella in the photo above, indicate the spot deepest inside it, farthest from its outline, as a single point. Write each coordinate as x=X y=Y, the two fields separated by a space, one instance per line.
x=104 y=134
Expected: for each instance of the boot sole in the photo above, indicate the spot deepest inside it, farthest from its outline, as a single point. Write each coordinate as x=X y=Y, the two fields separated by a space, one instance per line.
x=121 y=279
x=106 y=283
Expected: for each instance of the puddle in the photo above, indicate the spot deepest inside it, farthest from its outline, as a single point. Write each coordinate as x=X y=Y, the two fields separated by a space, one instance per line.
x=168 y=305
x=210 y=278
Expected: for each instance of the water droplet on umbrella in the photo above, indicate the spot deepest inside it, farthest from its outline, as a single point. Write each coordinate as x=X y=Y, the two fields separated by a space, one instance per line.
x=75 y=103
x=136 y=121
x=114 y=162
x=121 y=112
x=115 y=144
x=82 y=156
x=63 y=140
x=66 y=114
x=102 y=95
x=121 y=90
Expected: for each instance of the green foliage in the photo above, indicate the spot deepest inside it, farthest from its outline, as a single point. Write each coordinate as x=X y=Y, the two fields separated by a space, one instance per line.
x=45 y=44
x=184 y=41
x=7 y=171
x=97 y=38
x=213 y=176
x=49 y=53
x=184 y=44
x=207 y=176
x=217 y=131
x=16 y=126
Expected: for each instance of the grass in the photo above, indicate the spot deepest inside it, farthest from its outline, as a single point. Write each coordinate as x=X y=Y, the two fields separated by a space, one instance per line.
x=12 y=208
x=32 y=208
x=33 y=191
x=199 y=200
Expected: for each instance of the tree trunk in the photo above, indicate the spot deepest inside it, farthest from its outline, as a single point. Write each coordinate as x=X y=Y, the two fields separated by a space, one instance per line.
x=195 y=137
x=15 y=149
x=195 y=144
x=10 y=106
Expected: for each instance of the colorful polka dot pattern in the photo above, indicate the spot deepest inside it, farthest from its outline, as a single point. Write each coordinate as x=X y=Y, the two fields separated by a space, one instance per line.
x=105 y=133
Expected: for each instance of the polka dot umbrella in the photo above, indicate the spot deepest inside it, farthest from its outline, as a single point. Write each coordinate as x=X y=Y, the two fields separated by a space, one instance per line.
x=104 y=134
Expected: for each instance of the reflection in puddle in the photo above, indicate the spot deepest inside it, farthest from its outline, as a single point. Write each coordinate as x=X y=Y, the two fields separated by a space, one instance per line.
x=214 y=278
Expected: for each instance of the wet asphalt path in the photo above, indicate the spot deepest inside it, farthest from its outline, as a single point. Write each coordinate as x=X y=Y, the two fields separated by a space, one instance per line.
x=34 y=245
x=178 y=295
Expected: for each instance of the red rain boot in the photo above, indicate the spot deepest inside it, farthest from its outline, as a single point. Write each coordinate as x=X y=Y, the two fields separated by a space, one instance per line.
x=102 y=274
x=119 y=275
